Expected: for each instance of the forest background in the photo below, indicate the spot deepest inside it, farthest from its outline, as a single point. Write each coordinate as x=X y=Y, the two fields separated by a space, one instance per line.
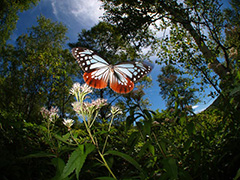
x=54 y=128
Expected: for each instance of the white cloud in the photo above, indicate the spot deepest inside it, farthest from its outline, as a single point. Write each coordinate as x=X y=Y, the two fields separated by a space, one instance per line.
x=53 y=3
x=85 y=13
x=196 y=106
x=200 y=110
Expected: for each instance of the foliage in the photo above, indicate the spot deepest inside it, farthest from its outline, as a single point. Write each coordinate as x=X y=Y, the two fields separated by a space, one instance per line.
x=175 y=87
x=187 y=33
x=190 y=34
x=40 y=141
x=232 y=41
x=9 y=17
x=34 y=73
x=196 y=141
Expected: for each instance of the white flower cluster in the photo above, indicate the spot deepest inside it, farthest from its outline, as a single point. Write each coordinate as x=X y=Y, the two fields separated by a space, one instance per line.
x=51 y=114
x=68 y=123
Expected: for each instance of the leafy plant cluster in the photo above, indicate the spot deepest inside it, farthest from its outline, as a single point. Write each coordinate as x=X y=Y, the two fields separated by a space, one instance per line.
x=53 y=128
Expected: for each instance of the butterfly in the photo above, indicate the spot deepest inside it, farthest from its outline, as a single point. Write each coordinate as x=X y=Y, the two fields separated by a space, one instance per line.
x=98 y=72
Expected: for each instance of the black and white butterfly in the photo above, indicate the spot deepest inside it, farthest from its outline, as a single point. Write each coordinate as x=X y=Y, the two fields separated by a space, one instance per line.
x=98 y=72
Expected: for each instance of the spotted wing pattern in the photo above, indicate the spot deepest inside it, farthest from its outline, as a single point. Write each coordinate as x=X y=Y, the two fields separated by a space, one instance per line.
x=133 y=70
x=120 y=83
x=125 y=74
x=97 y=71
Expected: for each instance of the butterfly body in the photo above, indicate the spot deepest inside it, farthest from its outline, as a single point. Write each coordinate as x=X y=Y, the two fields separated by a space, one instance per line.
x=98 y=72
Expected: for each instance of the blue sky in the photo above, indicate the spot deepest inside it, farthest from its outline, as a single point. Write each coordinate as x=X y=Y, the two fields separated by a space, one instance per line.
x=82 y=14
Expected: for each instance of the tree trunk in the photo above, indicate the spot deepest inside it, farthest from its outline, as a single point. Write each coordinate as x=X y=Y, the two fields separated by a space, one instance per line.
x=214 y=64
x=182 y=17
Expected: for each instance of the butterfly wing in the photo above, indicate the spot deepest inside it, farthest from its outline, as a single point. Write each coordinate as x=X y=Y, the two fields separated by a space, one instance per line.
x=125 y=74
x=133 y=70
x=96 y=70
x=98 y=78
x=120 y=83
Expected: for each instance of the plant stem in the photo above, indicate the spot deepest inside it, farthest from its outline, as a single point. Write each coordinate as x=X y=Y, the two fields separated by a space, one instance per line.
x=105 y=163
x=105 y=143
x=93 y=119
x=160 y=147
x=73 y=137
x=88 y=125
x=89 y=131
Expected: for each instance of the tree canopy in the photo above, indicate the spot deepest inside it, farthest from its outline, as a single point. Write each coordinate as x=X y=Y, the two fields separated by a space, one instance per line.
x=195 y=32
x=9 y=16
x=175 y=87
x=53 y=128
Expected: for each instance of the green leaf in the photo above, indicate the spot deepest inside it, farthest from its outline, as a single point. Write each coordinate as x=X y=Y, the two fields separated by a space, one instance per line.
x=139 y=125
x=163 y=146
x=39 y=155
x=235 y=91
x=105 y=178
x=63 y=139
x=175 y=93
x=147 y=127
x=74 y=161
x=151 y=149
x=66 y=136
x=237 y=175
x=190 y=128
x=101 y=132
x=130 y=119
x=170 y=165
x=183 y=174
x=182 y=120
x=147 y=114
x=133 y=139
x=59 y=164
x=143 y=149
x=176 y=104
x=77 y=160
x=187 y=144
x=127 y=158
x=89 y=148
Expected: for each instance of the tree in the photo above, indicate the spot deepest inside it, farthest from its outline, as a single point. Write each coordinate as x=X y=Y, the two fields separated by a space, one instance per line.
x=37 y=72
x=175 y=87
x=232 y=31
x=201 y=38
x=9 y=16
x=195 y=34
